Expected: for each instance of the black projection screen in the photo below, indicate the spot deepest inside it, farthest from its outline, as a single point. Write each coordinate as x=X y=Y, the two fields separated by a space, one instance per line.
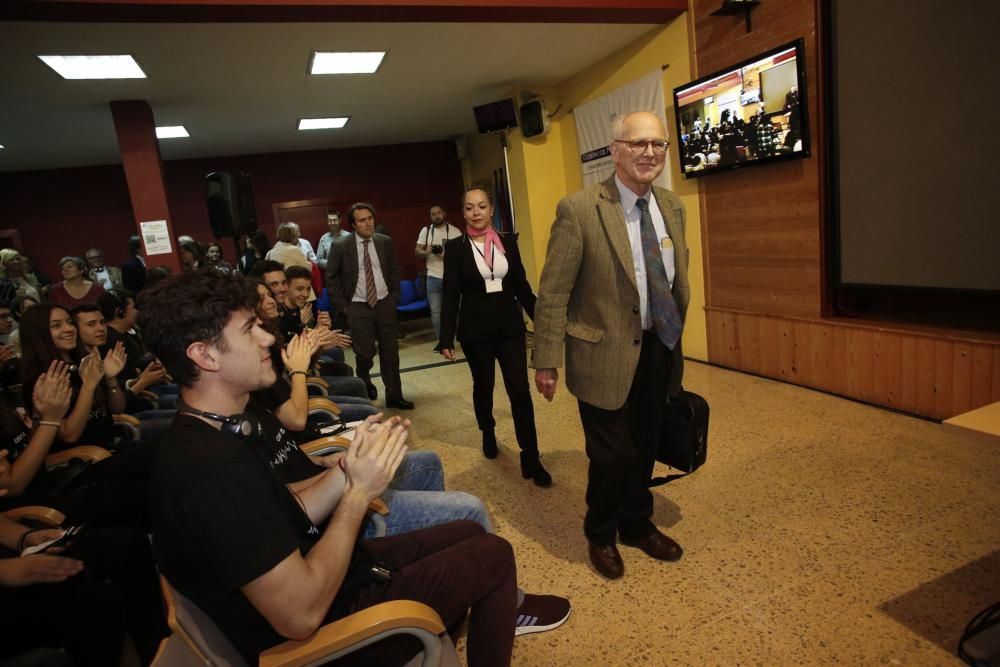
x=916 y=143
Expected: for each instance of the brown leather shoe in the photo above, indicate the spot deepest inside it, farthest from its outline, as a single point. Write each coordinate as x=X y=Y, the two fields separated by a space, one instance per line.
x=607 y=560
x=658 y=546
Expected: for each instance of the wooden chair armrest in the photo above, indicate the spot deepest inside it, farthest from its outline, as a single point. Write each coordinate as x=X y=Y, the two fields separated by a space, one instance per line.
x=85 y=452
x=320 y=403
x=312 y=379
x=339 y=635
x=126 y=419
x=379 y=507
x=321 y=444
x=36 y=514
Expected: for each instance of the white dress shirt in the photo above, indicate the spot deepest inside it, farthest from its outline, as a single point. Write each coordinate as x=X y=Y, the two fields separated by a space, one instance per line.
x=500 y=266
x=632 y=217
x=381 y=289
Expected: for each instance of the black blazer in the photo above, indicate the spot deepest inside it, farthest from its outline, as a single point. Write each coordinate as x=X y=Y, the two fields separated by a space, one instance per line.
x=483 y=316
x=342 y=269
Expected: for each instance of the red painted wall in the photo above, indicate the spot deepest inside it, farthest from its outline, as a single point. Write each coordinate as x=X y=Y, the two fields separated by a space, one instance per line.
x=63 y=212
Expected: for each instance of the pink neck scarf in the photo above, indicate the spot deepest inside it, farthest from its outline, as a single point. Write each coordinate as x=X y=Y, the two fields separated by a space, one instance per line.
x=492 y=241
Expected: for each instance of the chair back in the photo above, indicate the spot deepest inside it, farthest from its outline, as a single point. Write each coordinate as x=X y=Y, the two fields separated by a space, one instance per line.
x=198 y=631
x=407 y=293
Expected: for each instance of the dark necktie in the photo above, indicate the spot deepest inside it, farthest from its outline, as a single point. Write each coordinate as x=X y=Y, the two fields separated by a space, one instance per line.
x=371 y=296
x=662 y=307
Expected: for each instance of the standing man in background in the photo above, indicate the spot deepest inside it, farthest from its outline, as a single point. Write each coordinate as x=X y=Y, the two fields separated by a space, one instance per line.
x=430 y=246
x=363 y=282
x=325 y=241
x=614 y=290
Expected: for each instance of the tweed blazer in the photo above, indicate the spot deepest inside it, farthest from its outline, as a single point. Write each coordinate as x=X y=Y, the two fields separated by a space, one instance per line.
x=114 y=273
x=588 y=302
x=342 y=269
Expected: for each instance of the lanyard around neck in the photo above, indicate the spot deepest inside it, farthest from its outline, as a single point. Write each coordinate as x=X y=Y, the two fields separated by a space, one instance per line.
x=493 y=256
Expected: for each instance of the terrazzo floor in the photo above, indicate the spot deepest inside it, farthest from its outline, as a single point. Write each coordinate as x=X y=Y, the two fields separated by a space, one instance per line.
x=820 y=531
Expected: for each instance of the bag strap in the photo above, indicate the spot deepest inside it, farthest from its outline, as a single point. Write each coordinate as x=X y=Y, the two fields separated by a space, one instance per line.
x=666 y=479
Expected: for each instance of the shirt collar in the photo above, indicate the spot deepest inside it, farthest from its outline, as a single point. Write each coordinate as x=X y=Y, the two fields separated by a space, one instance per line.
x=629 y=198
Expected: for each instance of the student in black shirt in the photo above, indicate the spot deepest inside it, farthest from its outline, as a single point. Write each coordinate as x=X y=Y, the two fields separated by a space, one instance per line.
x=234 y=539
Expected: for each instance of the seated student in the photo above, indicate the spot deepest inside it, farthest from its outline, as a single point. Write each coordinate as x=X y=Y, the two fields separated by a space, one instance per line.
x=49 y=334
x=92 y=333
x=83 y=600
x=233 y=538
x=108 y=492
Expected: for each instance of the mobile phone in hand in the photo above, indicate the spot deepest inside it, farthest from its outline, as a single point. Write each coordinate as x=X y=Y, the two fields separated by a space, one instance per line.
x=63 y=540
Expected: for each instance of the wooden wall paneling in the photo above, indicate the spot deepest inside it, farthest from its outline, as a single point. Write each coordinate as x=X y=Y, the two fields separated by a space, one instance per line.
x=880 y=369
x=862 y=365
x=713 y=326
x=961 y=379
x=894 y=361
x=786 y=351
x=840 y=359
x=749 y=338
x=996 y=374
x=770 y=360
x=982 y=366
x=824 y=358
x=910 y=397
x=925 y=376
x=944 y=362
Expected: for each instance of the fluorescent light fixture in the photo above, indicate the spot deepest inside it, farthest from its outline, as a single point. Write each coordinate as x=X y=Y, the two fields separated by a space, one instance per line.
x=95 y=67
x=171 y=132
x=1 y=146
x=322 y=123
x=346 y=62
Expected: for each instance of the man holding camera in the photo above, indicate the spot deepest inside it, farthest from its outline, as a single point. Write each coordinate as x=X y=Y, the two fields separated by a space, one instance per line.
x=430 y=244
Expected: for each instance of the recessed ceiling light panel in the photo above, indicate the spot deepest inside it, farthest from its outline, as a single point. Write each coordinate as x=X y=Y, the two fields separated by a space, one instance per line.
x=322 y=123
x=95 y=67
x=171 y=132
x=346 y=62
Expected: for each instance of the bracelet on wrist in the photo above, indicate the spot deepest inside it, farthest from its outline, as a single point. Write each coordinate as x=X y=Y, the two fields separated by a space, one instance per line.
x=49 y=422
x=294 y=373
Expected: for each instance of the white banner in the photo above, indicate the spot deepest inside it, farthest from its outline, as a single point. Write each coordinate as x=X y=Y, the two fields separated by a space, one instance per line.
x=593 y=125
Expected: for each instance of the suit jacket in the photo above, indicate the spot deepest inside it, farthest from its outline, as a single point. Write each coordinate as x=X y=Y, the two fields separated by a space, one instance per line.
x=342 y=269
x=481 y=316
x=114 y=273
x=588 y=299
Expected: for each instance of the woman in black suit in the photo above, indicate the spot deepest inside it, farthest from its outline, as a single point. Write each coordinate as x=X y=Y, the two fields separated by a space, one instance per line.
x=485 y=288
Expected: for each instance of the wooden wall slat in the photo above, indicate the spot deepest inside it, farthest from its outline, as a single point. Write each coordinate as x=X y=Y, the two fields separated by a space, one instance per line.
x=944 y=363
x=925 y=376
x=786 y=350
x=911 y=376
x=749 y=336
x=996 y=376
x=982 y=366
x=769 y=347
x=880 y=368
x=961 y=382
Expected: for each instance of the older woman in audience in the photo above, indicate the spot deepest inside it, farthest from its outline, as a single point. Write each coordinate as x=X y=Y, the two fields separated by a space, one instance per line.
x=74 y=289
x=14 y=268
x=48 y=333
x=288 y=250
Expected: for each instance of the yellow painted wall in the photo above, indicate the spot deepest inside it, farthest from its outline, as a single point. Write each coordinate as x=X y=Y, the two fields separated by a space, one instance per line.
x=543 y=170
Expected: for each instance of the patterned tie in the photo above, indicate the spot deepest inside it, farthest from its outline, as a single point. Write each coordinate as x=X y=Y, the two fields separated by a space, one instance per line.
x=370 y=294
x=663 y=308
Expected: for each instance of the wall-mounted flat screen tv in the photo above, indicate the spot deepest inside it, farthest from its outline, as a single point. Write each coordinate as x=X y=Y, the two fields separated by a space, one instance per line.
x=751 y=113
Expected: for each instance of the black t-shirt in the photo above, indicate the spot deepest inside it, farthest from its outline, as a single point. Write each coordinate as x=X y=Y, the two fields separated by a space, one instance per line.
x=136 y=357
x=280 y=447
x=290 y=321
x=221 y=519
x=100 y=427
x=15 y=438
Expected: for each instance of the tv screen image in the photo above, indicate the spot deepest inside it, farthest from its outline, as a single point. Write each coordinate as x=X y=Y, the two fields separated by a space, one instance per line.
x=751 y=113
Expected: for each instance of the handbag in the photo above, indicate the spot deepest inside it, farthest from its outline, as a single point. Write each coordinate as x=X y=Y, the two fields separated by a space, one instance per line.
x=684 y=435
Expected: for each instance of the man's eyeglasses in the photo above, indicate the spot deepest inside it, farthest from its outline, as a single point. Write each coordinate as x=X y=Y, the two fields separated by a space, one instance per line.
x=638 y=146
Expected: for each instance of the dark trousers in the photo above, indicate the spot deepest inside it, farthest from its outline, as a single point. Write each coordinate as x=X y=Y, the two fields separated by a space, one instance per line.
x=379 y=324
x=621 y=447
x=451 y=567
x=482 y=358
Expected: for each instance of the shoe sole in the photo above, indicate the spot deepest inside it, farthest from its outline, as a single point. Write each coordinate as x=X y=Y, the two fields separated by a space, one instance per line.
x=520 y=631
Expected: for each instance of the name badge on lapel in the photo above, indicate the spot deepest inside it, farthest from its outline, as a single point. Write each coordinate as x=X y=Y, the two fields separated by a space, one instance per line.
x=494 y=285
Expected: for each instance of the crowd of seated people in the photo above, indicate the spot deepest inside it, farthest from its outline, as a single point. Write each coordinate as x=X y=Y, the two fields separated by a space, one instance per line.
x=73 y=359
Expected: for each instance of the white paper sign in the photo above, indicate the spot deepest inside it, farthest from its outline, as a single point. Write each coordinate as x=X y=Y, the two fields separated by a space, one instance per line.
x=156 y=237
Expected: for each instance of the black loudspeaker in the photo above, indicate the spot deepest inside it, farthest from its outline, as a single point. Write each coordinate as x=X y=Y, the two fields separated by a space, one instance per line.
x=534 y=120
x=230 y=203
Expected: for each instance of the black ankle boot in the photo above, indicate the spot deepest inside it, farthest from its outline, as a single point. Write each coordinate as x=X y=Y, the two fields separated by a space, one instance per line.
x=531 y=468
x=489 y=445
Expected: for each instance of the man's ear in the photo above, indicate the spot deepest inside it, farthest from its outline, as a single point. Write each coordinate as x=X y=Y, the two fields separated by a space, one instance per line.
x=203 y=356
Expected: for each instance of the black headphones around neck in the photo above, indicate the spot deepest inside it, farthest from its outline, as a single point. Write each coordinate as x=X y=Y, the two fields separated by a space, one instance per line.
x=243 y=426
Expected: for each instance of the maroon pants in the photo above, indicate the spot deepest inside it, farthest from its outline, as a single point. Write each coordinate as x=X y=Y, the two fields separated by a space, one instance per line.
x=451 y=568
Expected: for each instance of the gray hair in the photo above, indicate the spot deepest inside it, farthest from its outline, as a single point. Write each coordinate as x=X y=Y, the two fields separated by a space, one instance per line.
x=288 y=232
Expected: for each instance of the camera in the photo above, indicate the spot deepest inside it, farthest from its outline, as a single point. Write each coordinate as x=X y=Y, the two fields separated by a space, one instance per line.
x=437 y=249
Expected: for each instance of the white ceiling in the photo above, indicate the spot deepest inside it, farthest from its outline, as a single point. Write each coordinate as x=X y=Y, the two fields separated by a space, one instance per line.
x=240 y=88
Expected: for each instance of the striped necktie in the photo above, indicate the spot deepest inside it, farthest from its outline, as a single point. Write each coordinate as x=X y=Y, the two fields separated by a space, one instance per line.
x=662 y=307
x=371 y=296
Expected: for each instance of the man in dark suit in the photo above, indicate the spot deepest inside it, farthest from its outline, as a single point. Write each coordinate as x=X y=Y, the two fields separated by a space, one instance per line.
x=134 y=269
x=363 y=282
x=614 y=293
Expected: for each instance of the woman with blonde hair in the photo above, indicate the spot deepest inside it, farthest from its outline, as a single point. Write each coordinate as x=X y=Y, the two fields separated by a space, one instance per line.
x=13 y=268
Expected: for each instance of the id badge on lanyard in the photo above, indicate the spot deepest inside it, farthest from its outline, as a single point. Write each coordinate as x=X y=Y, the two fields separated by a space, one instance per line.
x=492 y=284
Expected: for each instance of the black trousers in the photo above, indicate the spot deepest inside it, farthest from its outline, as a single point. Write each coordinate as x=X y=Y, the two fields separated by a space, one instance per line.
x=482 y=358
x=368 y=326
x=621 y=447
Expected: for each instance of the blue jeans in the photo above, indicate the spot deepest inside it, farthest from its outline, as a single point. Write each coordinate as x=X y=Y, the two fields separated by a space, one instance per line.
x=435 y=293
x=417 y=499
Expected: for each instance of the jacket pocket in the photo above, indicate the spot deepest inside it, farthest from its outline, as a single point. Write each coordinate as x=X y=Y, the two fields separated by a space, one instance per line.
x=584 y=332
